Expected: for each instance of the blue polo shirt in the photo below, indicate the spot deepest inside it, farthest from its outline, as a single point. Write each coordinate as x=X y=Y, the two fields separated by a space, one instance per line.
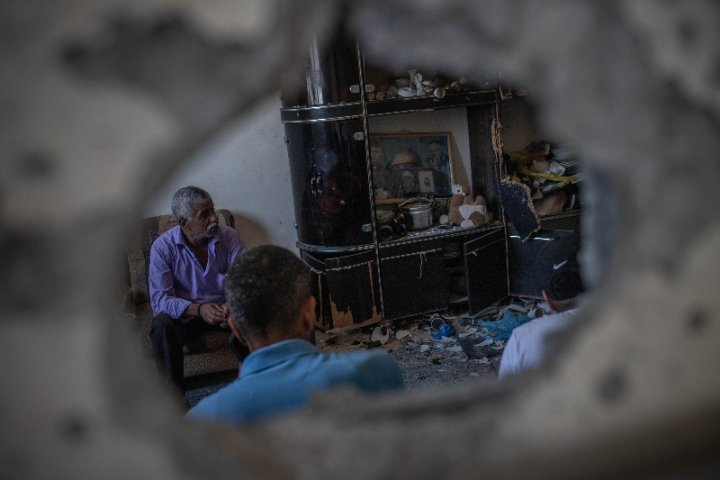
x=281 y=377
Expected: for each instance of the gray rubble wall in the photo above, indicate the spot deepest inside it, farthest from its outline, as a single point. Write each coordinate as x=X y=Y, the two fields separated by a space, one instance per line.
x=103 y=100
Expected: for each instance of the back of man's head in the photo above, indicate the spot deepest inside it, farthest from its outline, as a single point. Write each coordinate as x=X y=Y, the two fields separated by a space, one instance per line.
x=184 y=197
x=265 y=289
x=559 y=268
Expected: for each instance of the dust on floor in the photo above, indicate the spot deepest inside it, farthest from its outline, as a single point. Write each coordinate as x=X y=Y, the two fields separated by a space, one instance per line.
x=440 y=349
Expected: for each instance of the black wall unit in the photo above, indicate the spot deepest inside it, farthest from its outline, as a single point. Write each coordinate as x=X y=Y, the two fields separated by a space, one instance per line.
x=359 y=276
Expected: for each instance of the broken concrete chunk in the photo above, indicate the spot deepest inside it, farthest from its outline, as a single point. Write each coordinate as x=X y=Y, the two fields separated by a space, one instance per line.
x=402 y=334
x=379 y=336
x=517 y=308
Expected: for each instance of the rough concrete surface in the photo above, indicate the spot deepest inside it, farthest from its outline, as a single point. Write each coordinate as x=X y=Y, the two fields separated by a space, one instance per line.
x=100 y=102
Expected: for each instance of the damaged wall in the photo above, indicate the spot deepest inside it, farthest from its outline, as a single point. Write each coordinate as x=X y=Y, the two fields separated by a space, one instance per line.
x=101 y=104
x=246 y=170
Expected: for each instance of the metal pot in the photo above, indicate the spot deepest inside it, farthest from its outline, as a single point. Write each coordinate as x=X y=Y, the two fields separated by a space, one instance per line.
x=417 y=212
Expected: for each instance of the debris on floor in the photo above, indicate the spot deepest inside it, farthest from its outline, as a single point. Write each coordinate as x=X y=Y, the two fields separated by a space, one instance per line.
x=441 y=348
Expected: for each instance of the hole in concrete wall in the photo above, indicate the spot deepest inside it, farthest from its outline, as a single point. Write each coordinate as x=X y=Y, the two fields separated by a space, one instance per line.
x=601 y=68
x=522 y=129
x=606 y=222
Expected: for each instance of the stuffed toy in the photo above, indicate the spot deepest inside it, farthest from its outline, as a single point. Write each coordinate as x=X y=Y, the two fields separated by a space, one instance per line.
x=473 y=212
x=457 y=199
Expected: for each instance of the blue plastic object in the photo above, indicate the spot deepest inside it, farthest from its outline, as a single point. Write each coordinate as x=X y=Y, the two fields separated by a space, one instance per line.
x=502 y=328
x=445 y=330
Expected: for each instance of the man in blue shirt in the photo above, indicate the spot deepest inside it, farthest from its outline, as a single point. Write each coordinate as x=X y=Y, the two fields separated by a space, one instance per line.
x=185 y=278
x=272 y=313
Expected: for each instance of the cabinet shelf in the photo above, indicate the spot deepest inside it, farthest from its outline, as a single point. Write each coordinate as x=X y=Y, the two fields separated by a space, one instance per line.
x=393 y=106
x=412 y=104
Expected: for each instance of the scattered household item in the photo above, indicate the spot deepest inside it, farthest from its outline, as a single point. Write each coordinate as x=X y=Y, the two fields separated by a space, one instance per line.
x=380 y=334
x=417 y=213
x=389 y=226
x=490 y=311
x=474 y=212
x=441 y=327
x=440 y=207
x=400 y=334
x=406 y=92
x=502 y=329
x=479 y=350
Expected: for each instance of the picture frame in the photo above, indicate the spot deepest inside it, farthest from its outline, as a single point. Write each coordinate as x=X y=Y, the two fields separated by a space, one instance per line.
x=409 y=165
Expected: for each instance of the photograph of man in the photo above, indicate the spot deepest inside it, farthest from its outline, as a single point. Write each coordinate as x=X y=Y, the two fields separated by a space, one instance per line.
x=438 y=159
x=381 y=169
x=439 y=163
x=403 y=173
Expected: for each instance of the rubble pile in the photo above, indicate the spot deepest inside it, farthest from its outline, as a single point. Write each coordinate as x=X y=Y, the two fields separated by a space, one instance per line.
x=442 y=348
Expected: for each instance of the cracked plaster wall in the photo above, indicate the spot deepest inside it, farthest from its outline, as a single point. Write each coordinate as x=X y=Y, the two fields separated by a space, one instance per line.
x=100 y=105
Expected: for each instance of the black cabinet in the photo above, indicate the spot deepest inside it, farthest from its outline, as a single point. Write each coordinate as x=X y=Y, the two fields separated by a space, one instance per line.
x=359 y=276
x=414 y=279
x=415 y=275
x=525 y=258
x=555 y=196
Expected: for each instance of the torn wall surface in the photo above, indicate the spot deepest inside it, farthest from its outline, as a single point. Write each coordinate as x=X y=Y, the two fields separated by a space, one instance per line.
x=86 y=135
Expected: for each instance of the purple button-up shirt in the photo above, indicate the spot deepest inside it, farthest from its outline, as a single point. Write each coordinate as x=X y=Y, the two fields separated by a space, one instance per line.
x=176 y=279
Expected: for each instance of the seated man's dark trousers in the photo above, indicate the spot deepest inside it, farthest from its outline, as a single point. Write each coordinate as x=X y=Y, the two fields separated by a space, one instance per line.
x=168 y=335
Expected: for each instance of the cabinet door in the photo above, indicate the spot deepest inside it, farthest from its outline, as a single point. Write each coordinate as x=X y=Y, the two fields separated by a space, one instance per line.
x=414 y=282
x=329 y=182
x=319 y=289
x=486 y=269
x=352 y=289
x=525 y=280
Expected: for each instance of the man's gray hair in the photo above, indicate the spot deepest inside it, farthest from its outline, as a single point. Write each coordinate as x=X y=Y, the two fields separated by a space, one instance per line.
x=185 y=197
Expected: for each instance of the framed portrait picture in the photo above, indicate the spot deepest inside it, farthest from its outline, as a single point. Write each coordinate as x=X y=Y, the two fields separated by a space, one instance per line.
x=411 y=164
x=426 y=181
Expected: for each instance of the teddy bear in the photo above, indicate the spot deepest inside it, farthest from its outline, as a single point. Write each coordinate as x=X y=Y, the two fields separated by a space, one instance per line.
x=473 y=212
x=453 y=216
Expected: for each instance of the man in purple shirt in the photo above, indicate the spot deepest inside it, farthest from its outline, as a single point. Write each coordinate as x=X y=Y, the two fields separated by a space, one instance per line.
x=187 y=267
